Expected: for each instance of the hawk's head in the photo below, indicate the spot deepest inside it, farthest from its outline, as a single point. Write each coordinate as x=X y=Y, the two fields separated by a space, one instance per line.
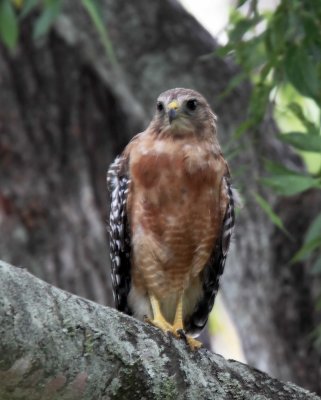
x=182 y=112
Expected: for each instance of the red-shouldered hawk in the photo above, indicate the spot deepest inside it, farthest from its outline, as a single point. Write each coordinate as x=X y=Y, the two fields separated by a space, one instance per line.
x=171 y=217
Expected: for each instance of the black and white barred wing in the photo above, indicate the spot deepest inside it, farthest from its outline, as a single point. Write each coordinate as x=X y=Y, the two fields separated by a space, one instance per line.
x=119 y=234
x=215 y=266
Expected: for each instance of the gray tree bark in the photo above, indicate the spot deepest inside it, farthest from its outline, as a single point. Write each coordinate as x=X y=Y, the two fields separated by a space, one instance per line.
x=55 y=345
x=66 y=111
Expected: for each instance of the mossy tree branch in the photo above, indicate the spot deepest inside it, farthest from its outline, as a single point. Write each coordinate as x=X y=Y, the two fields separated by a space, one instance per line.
x=55 y=345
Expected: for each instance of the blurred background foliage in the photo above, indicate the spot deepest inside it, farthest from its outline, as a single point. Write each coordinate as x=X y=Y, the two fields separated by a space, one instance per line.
x=13 y=11
x=279 y=51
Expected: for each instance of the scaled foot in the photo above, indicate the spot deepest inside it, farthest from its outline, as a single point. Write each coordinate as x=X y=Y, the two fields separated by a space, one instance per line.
x=160 y=323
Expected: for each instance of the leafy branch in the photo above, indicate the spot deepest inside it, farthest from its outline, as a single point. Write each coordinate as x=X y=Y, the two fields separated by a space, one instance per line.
x=12 y=12
x=280 y=52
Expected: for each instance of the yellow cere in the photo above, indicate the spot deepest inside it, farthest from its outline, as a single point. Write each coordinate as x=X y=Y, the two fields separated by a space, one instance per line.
x=173 y=105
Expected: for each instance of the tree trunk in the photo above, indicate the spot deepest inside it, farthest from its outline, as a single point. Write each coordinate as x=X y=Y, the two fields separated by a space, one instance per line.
x=66 y=111
x=55 y=345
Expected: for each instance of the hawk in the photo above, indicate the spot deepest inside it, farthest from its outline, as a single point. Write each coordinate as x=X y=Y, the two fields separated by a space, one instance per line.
x=171 y=217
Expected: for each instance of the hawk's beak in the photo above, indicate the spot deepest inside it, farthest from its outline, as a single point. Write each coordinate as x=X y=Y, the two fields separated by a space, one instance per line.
x=172 y=110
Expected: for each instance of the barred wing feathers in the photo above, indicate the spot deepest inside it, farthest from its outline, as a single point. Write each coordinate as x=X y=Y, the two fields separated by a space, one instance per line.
x=120 y=248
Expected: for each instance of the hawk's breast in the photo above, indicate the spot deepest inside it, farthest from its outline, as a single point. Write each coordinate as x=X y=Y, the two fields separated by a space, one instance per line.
x=175 y=211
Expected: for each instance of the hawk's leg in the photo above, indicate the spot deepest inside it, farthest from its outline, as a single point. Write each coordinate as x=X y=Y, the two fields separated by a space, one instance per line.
x=158 y=319
x=178 y=320
x=178 y=327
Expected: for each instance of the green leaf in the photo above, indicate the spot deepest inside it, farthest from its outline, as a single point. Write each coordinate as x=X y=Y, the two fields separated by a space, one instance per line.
x=277 y=169
x=314 y=229
x=266 y=69
x=223 y=51
x=9 y=29
x=28 y=6
x=240 y=3
x=250 y=54
x=270 y=213
x=307 y=249
x=302 y=141
x=95 y=15
x=259 y=101
x=243 y=127
x=298 y=112
x=47 y=18
x=288 y=185
x=312 y=241
x=302 y=71
x=242 y=26
x=316 y=267
x=233 y=83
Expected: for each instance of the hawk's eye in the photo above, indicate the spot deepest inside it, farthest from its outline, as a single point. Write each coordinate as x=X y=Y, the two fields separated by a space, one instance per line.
x=191 y=104
x=160 y=106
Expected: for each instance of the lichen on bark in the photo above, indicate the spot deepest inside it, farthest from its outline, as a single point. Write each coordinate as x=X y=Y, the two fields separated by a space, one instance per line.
x=55 y=345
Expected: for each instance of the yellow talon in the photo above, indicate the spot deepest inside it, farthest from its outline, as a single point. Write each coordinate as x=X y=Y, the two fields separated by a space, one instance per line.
x=177 y=329
x=193 y=343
